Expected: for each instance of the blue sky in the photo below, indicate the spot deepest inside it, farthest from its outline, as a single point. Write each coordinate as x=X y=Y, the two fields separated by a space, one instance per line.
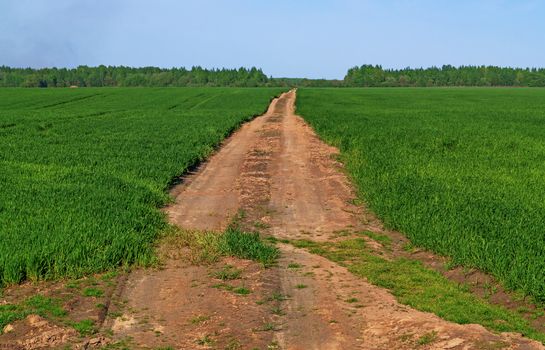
x=295 y=38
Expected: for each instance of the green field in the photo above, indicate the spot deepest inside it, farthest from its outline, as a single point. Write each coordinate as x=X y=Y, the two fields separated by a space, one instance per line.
x=459 y=171
x=84 y=171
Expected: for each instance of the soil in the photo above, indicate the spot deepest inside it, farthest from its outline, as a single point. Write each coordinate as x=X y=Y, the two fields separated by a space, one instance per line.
x=288 y=184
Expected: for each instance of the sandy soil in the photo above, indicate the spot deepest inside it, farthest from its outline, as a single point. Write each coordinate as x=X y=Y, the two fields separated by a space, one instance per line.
x=289 y=185
x=208 y=199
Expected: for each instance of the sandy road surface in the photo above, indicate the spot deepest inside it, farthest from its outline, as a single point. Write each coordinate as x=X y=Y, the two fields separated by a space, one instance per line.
x=289 y=185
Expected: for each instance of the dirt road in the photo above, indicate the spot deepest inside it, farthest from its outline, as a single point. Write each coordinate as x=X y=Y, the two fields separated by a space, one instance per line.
x=290 y=186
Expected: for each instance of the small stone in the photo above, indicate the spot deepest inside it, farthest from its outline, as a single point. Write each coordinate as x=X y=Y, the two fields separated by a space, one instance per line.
x=95 y=341
x=452 y=343
x=36 y=321
x=8 y=328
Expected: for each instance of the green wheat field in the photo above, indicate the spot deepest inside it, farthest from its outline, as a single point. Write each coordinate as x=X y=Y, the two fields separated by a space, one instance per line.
x=84 y=172
x=460 y=171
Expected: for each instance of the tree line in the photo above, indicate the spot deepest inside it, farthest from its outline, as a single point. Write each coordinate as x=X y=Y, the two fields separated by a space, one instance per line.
x=362 y=76
x=84 y=76
x=447 y=75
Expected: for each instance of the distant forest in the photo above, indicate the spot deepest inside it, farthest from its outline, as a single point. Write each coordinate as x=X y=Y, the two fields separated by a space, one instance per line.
x=369 y=75
x=363 y=76
x=84 y=76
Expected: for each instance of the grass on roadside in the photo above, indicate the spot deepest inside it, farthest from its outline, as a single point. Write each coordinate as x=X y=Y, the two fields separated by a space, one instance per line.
x=48 y=308
x=384 y=240
x=228 y=272
x=421 y=288
x=247 y=246
x=38 y=305
x=208 y=247
x=199 y=319
x=85 y=327
x=230 y=288
x=93 y=292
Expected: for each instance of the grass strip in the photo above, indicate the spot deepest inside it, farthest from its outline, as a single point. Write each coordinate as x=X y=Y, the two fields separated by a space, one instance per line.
x=421 y=288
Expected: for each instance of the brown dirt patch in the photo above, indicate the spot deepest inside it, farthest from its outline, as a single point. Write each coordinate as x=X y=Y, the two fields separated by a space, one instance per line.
x=186 y=307
x=35 y=332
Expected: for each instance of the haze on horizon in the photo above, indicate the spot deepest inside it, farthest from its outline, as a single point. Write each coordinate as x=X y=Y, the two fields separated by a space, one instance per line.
x=305 y=38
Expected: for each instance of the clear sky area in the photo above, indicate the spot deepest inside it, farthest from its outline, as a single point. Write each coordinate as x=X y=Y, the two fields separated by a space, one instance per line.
x=286 y=38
